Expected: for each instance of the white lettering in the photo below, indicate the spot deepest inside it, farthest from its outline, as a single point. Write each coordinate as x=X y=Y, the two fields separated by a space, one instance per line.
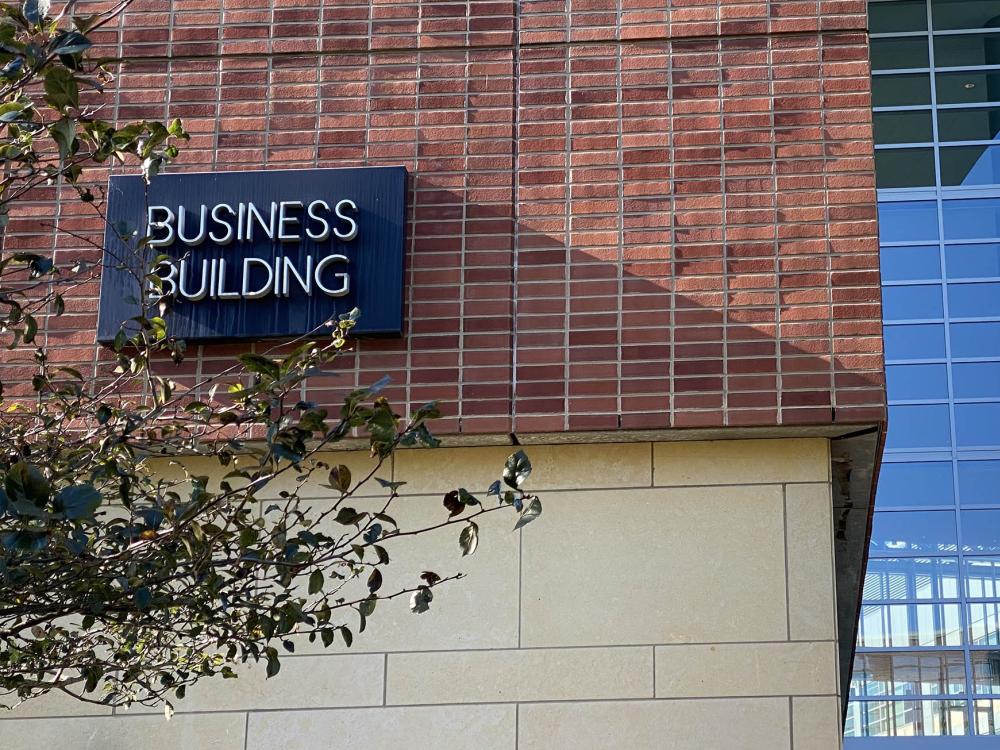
x=167 y=224
x=352 y=232
x=253 y=214
x=345 y=279
x=257 y=293
x=202 y=290
x=202 y=230
x=323 y=233
x=228 y=236
x=284 y=218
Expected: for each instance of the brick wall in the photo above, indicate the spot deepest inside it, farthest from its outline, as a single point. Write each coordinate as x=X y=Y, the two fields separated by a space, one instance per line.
x=622 y=214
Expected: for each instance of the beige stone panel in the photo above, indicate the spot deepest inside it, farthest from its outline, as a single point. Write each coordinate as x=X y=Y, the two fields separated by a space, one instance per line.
x=691 y=565
x=733 y=724
x=746 y=670
x=816 y=723
x=810 y=562
x=320 y=681
x=553 y=467
x=190 y=732
x=51 y=704
x=520 y=675
x=741 y=462
x=441 y=728
x=478 y=611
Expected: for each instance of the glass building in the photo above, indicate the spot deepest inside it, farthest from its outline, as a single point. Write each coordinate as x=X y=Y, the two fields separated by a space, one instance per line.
x=928 y=657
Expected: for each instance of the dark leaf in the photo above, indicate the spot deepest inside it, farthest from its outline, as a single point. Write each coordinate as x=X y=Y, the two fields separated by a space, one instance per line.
x=430 y=577
x=78 y=501
x=529 y=514
x=375 y=580
x=260 y=365
x=61 y=90
x=516 y=469
x=453 y=504
x=340 y=478
x=468 y=540
x=316 y=582
x=420 y=600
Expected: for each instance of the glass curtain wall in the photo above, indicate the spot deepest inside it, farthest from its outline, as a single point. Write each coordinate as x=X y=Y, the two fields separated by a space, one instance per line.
x=928 y=660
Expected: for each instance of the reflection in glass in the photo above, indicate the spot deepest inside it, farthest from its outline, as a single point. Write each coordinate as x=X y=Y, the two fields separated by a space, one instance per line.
x=984 y=623
x=974 y=300
x=910 y=263
x=927 y=531
x=908 y=625
x=979 y=481
x=916 y=483
x=986 y=671
x=912 y=302
x=923 y=426
x=964 y=14
x=972 y=261
x=970 y=165
x=978 y=426
x=980 y=532
x=911 y=578
x=982 y=577
x=907 y=221
x=924 y=341
x=903 y=127
x=975 y=124
x=975 y=339
x=904 y=168
x=905 y=718
x=912 y=673
x=905 y=89
x=977 y=219
x=966 y=49
x=899 y=52
x=987 y=714
x=903 y=15
x=915 y=382
x=967 y=87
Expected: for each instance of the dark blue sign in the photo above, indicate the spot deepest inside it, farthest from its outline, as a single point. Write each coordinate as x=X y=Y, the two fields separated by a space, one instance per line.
x=261 y=254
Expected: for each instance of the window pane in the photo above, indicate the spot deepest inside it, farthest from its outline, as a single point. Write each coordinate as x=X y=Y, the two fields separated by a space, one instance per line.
x=913 y=531
x=907 y=625
x=967 y=49
x=904 y=52
x=974 y=300
x=979 y=531
x=924 y=718
x=967 y=87
x=979 y=482
x=906 y=382
x=907 y=221
x=901 y=484
x=912 y=302
x=940 y=673
x=982 y=577
x=903 y=127
x=984 y=623
x=970 y=165
x=987 y=715
x=901 y=90
x=975 y=339
x=975 y=124
x=907 y=15
x=976 y=380
x=978 y=426
x=910 y=263
x=904 y=167
x=916 y=341
x=912 y=578
x=926 y=426
x=964 y=14
x=971 y=219
x=972 y=261
x=986 y=671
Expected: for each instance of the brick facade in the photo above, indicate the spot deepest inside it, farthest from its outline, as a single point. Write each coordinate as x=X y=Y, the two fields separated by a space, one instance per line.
x=622 y=214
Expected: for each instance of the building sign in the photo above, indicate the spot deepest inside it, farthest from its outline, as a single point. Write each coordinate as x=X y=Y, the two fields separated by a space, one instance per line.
x=259 y=254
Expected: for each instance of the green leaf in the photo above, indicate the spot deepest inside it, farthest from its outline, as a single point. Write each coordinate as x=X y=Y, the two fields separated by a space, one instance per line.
x=316 y=582
x=420 y=600
x=368 y=606
x=260 y=365
x=26 y=482
x=78 y=501
x=340 y=478
x=516 y=469
x=70 y=43
x=348 y=516
x=345 y=633
x=36 y=10
x=273 y=663
x=61 y=90
x=468 y=540
x=30 y=328
x=529 y=514
x=326 y=634
x=375 y=580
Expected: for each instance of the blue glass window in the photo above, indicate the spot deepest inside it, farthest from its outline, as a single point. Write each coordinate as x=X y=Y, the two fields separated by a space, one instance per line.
x=965 y=14
x=899 y=578
x=911 y=263
x=909 y=625
x=978 y=426
x=974 y=300
x=977 y=219
x=976 y=379
x=982 y=577
x=973 y=124
x=903 y=15
x=979 y=531
x=919 y=427
x=905 y=89
x=916 y=341
x=973 y=261
x=967 y=86
x=975 y=339
x=909 y=673
x=912 y=302
x=979 y=483
x=926 y=531
x=904 y=168
x=918 y=483
x=899 y=52
x=908 y=126
x=907 y=221
x=966 y=49
x=970 y=165
x=917 y=382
